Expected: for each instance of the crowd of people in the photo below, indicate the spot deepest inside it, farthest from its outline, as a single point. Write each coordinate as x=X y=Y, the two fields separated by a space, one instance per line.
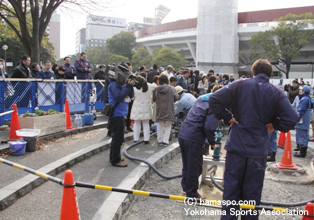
x=25 y=69
x=255 y=110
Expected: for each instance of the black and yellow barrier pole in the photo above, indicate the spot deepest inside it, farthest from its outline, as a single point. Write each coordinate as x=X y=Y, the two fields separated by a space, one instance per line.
x=213 y=203
x=35 y=172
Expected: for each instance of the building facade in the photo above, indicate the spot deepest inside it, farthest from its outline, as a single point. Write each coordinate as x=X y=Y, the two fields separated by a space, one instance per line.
x=80 y=43
x=99 y=29
x=214 y=39
x=53 y=30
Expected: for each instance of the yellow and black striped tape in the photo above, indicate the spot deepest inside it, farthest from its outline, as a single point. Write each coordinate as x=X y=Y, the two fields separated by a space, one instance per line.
x=134 y=192
x=29 y=170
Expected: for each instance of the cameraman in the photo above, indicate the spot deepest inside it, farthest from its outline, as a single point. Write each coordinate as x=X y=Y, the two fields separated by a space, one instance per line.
x=121 y=93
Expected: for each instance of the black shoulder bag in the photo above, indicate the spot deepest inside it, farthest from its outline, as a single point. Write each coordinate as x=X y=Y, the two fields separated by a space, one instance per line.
x=109 y=109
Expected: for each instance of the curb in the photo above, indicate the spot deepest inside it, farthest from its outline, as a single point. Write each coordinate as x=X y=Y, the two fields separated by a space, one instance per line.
x=49 y=137
x=117 y=204
x=12 y=192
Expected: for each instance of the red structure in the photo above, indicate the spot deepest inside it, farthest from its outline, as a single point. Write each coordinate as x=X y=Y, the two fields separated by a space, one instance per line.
x=243 y=17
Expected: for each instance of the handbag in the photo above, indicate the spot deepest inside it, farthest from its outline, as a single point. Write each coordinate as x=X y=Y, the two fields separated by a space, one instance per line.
x=109 y=109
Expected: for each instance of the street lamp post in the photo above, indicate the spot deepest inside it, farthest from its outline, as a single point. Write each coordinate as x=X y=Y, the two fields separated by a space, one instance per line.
x=5 y=47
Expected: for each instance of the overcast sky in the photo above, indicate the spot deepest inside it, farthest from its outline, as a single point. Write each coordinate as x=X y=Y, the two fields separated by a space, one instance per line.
x=135 y=10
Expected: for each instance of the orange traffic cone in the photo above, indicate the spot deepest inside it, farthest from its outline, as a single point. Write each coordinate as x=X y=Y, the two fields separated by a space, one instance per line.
x=15 y=125
x=281 y=142
x=68 y=116
x=309 y=211
x=286 y=162
x=69 y=209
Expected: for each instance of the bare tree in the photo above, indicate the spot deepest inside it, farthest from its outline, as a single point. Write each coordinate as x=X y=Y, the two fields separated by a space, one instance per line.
x=34 y=16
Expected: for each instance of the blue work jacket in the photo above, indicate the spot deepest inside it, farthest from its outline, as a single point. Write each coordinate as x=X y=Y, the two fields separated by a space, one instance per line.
x=254 y=103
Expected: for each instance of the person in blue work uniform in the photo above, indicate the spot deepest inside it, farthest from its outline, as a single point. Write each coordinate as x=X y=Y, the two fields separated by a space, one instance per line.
x=304 y=110
x=83 y=67
x=118 y=91
x=46 y=72
x=185 y=103
x=199 y=124
x=70 y=71
x=257 y=108
x=273 y=146
x=280 y=82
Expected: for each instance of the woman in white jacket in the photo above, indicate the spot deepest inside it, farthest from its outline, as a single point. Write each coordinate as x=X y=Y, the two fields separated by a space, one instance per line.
x=141 y=111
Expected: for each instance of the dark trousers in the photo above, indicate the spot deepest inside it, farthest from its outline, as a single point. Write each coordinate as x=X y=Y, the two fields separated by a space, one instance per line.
x=109 y=127
x=117 y=125
x=128 y=119
x=243 y=180
x=192 y=158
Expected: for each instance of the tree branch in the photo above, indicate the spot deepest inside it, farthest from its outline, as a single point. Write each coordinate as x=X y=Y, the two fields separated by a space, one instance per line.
x=279 y=69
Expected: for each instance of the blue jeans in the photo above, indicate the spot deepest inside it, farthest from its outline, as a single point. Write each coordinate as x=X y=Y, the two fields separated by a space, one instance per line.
x=273 y=142
x=302 y=137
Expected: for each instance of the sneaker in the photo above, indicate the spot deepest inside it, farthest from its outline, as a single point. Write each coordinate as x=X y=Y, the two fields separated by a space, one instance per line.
x=160 y=144
x=165 y=144
x=129 y=129
x=146 y=142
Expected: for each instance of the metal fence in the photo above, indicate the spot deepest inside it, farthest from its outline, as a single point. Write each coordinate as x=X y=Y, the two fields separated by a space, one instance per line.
x=28 y=94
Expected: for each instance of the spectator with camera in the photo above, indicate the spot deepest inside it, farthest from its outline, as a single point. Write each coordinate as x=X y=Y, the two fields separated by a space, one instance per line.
x=141 y=110
x=120 y=90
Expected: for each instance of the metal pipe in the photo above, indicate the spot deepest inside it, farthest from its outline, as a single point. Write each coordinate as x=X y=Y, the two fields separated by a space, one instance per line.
x=7 y=113
x=46 y=80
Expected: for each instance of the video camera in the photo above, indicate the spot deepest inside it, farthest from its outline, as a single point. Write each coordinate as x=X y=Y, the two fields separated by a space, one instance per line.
x=121 y=74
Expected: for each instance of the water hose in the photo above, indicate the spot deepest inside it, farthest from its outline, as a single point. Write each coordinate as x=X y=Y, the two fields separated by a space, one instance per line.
x=125 y=152
x=287 y=205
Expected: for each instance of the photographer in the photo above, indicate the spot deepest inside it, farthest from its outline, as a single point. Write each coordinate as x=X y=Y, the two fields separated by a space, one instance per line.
x=120 y=90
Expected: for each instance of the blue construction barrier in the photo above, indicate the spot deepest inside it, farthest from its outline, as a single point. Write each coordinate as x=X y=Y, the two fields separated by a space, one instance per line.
x=29 y=94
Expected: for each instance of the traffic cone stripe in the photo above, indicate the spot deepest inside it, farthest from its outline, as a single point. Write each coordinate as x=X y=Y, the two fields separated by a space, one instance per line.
x=15 y=125
x=69 y=209
x=286 y=162
x=68 y=117
x=310 y=211
x=281 y=142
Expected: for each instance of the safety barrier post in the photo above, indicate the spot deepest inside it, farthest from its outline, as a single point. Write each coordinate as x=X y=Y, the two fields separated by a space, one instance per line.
x=62 y=96
x=2 y=90
x=34 y=96
x=87 y=87
x=69 y=208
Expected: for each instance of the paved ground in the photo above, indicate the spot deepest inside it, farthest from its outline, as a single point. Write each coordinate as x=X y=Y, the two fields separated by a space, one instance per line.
x=52 y=151
x=45 y=201
x=153 y=208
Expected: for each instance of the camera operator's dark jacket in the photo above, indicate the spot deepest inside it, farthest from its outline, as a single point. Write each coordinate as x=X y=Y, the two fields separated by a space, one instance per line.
x=117 y=93
x=254 y=103
x=21 y=72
